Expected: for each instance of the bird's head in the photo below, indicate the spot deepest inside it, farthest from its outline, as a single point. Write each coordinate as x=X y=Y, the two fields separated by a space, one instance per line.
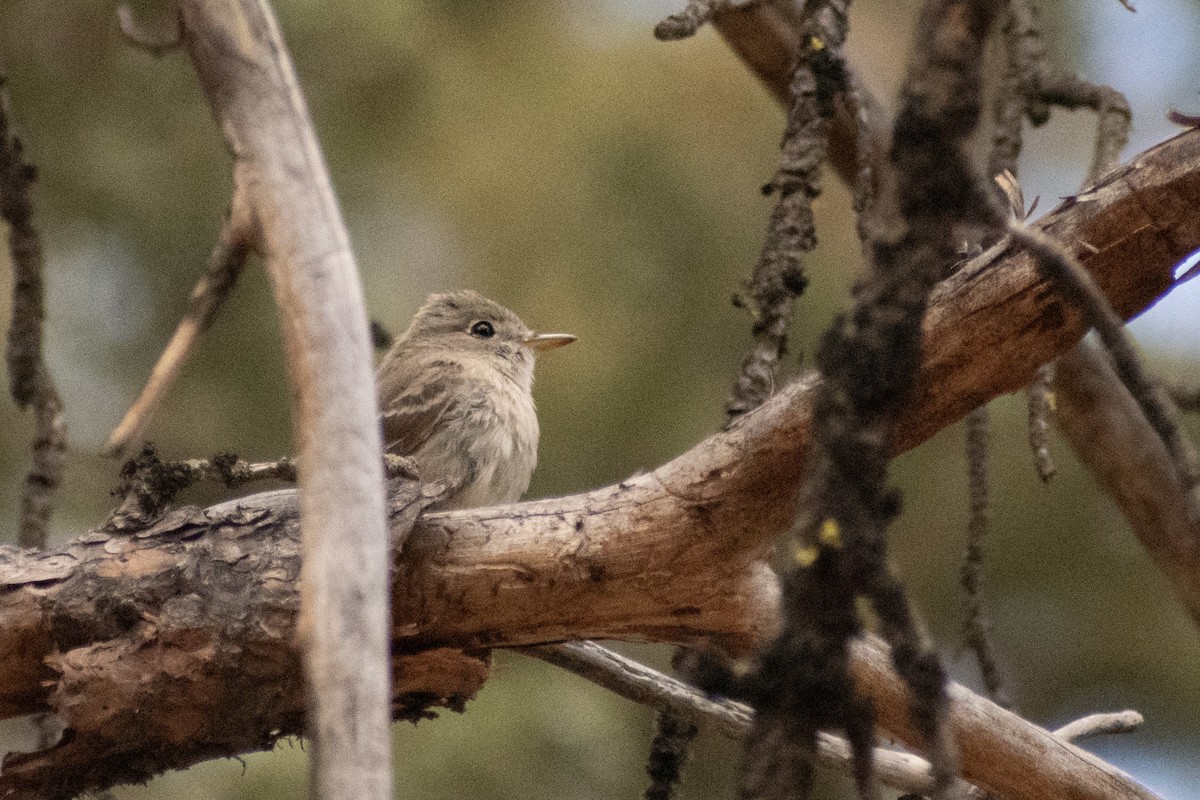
x=466 y=324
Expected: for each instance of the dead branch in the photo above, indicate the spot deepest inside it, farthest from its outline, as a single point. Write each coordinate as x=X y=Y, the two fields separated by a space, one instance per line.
x=641 y=684
x=766 y=36
x=225 y=264
x=247 y=75
x=1128 y=460
x=1100 y=725
x=29 y=378
x=155 y=42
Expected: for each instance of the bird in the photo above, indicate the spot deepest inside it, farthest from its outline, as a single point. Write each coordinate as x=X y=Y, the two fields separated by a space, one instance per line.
x=455 y=395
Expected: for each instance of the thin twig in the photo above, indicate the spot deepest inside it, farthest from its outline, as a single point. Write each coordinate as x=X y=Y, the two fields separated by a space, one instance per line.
x=1182 y=119
x=975 y=626
x=29 y=379
x=1100 y=725
x=49 y=449
x=1112 y=112
x=1041 y=406
x=685 y=23
x=1187 y=398
x=225 y=264
x=24 y=350
x=646 y=686
x=233 y=472
x=1018 y=97
x=149 y=484
x=778 y=276
x=641 y=684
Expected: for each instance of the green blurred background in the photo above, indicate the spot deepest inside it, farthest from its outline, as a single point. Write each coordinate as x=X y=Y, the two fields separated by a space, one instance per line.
x=555 y=156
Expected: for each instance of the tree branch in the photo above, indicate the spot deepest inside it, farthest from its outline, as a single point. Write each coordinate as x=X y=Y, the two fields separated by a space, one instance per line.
x=641 y=684
x=225 y=264
x=1129 y=461
x=247 y=75
x=766 y=36
x=29 y=378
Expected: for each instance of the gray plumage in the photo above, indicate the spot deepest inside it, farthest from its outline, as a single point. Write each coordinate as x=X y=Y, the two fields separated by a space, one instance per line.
x=460 y=402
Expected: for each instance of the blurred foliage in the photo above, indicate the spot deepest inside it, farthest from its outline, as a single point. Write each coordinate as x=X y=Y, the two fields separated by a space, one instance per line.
x=556 y=157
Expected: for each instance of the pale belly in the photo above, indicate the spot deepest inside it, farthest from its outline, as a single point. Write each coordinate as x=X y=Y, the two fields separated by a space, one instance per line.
x=503 y=453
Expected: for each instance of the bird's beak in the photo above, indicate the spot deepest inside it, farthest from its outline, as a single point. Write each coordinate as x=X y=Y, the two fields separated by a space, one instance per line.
x=548 y=341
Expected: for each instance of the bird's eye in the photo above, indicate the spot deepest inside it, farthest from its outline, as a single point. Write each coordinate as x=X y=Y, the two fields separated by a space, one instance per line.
x=483 y=329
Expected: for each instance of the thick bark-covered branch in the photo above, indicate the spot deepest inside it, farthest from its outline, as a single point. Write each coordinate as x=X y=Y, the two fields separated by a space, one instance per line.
x=176 y=643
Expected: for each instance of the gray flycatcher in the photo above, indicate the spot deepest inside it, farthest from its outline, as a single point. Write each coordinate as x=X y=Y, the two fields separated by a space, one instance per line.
x=455 y=393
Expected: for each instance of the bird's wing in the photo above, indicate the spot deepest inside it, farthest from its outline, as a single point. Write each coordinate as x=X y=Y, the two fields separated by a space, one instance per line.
x=415 y=400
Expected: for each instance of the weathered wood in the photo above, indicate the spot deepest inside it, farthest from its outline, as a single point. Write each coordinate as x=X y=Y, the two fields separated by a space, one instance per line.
x=248 y=78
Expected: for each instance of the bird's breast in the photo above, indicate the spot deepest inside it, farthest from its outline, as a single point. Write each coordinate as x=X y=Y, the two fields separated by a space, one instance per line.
x=502 y=447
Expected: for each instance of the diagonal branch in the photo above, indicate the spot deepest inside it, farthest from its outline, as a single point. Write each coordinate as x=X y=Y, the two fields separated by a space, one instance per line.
x=1114 y=440
x=225 y=264
x=641 y=684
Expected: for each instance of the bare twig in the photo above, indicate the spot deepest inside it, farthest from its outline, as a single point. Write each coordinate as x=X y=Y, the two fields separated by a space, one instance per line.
x=247 y=75
x=49 y=446
x=225 y=264
x=1041 y=406
x=1182 y=119
x=641 y=684
x=1100 y=725
x=232 y=472
x=1017 y=98
x=29 y=380
x=975 y=626
x=778 y=277
x=24 y=350
x=1186 y=397
x=1112 y=123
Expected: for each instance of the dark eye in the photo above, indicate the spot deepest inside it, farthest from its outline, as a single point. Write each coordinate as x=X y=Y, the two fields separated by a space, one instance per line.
x=483 y=329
